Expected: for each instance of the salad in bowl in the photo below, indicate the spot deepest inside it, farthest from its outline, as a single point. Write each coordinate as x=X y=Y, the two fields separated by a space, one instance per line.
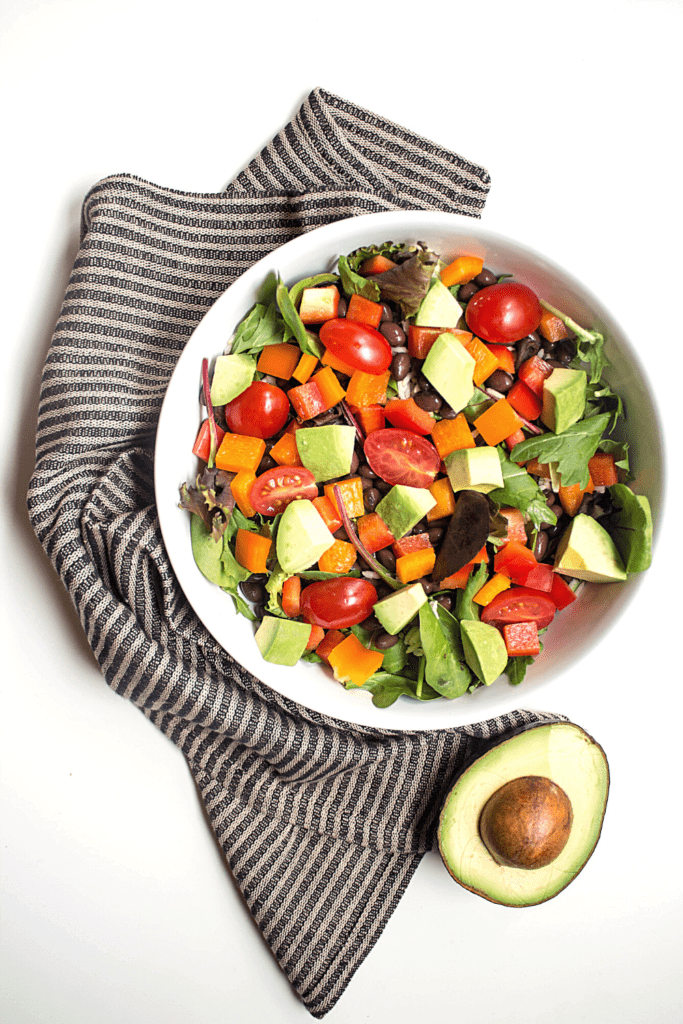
x=410 y=465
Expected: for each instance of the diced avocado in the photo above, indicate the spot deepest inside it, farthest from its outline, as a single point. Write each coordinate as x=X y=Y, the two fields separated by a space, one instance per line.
x=631 y=527
x=450 y=369
x=564 y=398
x=559 y=752
x=282 y=641
x=587 y=552
x=439 y=308
x=403 y=507
x=484 y=649
x=474 y=469
x=326 y=451
x=302 y=536
x=396 y=610
x=232 y=374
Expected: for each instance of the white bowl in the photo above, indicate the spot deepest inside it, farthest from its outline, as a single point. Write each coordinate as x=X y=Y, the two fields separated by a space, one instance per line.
x=574 y=631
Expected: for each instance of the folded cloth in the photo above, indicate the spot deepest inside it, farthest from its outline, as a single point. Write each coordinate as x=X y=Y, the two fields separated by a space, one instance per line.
x=322 y=825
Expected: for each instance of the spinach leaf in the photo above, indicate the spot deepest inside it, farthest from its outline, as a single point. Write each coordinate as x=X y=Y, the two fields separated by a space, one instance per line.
x=571 y=449
x=443 y=671
x=296 y=291
x=387 y=687
x=307 y=342
x=521 y=491
x=262 y=326
x=465 y=608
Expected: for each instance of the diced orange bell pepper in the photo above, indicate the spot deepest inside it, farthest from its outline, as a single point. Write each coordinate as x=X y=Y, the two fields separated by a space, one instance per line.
x=376 y=265
x=279 y=360
x=291 y=597
x=370 y=418
x=252 y=550
x=285 y=451
x=328 y=512
x=498 y=422
x=367 y=388
x=504 y=357
x=337 y=364
x=603 y=470
x=237 y=451
x=461 y=270
x=374 y=533
x=485 y=362
x=338 y=558
x=406 y=414
x=551 y=327
x=352 y=495
x=496 y=585
x=305 y=367
x=415 y=565
x=351 y=662
x=450 y=435
x=572 y=496
x=240 y=486
x=364 y=311
x=330 y=388
x=442 y=492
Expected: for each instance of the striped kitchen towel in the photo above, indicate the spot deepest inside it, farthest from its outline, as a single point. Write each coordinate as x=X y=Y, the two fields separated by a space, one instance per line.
x=322 y=825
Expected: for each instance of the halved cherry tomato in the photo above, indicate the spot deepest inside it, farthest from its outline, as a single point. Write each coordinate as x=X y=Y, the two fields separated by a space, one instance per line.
x=260 y=411
x=273 y=490
x=503 y=313
x=401 y=457
x=519 y=604
x=338 y=603
x=360 y=346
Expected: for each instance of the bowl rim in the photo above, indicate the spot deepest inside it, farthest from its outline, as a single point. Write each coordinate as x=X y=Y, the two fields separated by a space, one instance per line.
x=405 y=714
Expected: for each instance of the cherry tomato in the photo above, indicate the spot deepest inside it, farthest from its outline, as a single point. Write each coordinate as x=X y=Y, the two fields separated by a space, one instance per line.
x=519 y=604
x=338 y=603
x=260 y=411
x=401 y=457
x=355 y=343
x=503 y=313
x=273 y=490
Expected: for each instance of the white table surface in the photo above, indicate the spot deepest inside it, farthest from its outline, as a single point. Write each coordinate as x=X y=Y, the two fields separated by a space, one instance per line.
x=116 y=904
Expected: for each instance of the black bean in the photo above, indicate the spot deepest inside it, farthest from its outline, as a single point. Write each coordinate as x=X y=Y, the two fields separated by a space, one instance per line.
x=394 y=334
x=400 y=366
x=500 y=381
x=435 y=534
x=541 y=545
x=371 y=498
x=446 y=601
x=564 y=351
x=384 y=641
x=340 y=534
x=354 y=462
x=423 y=384
x=370 y=624
x=387 y=558
x=466 y=291
x=429 y=401
x=342 y=307
x=429 y=586
x=254 y=592
x=387 y=313
x=485 y=278
x=526 y=348
x=259 y=611
x=267 y=462
x=383 y=487
x=365 y=470
x=446 y=413
x=366 y=483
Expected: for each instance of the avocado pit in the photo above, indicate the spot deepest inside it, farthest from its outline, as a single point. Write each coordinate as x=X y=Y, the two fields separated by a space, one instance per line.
x=526 y=823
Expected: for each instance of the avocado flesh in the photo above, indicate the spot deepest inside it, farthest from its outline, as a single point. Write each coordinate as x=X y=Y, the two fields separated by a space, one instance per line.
x=561 y=752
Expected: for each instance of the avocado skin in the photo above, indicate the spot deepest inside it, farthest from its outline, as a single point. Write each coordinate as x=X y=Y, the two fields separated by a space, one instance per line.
x=477 y=761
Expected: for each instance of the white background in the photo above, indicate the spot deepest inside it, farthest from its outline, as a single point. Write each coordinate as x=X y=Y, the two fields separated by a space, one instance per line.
x=116 y=904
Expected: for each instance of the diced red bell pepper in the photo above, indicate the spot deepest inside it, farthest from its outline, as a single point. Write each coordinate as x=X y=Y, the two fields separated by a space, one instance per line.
x=414 y=542
x=561 y=594
x=533 y=372
x=291 y=597
x=515 y=520
x=515 y=438
x=376 y=265
x=316 y=637
x=539 y=577
x=364 y=311
x=374 y=533
x=369 y=418
x=521 y=639
x=504 y=356
x=407 y=415
x=514 y=560
x=522 y=399
x=603 y=470
x=202 y=446
x=307 y=400
x=328 y=643
x=421 y=339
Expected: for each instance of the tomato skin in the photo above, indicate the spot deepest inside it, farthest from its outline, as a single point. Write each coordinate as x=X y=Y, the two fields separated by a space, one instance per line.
x=401 y=457
x=519 y=604
x=503 y=313
x=260 y=411
x=358 y=345
x=338 y=603
x=273 y=490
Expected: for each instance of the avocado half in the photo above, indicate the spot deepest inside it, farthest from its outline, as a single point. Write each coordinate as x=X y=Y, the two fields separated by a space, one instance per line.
x=558 y=756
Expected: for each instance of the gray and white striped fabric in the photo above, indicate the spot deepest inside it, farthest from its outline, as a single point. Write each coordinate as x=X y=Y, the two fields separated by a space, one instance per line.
x=322 y=825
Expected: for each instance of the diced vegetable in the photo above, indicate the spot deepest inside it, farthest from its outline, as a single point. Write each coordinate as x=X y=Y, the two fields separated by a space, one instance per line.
x=461 y=270
x=364 y=310
x=524 y=401
x=415 y=565
x=352 y=495
x=339 y=558
x=374 y=532
x=498 y=422
x=351 y=662
x=369 y=418
x=496 y=585
x=319 y=304
x=331 y=390
x=279 y=360
x=328 y=512
x=521 y=639
x=252 y=550
x=305 y=367
x=406 y=414
x=332 y=638
x=367 y=388
x=291 y=597
x=285 y=451
x=307 y=400
x=442 y=492
x=450 y=435
x=237 y=451
x=202 y=445
x=240 y=486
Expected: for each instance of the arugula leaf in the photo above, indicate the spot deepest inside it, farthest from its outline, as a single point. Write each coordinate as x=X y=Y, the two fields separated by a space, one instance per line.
x=444 y=672
x=521 y=491
x=571 y=449
x=600 y=398
x=465 y=608
x=619 y=449
x=307 y=342
x=243 y=608
x=589 y=344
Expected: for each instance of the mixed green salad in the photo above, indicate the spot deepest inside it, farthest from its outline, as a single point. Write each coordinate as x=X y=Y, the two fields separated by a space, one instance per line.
x=407 y=468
